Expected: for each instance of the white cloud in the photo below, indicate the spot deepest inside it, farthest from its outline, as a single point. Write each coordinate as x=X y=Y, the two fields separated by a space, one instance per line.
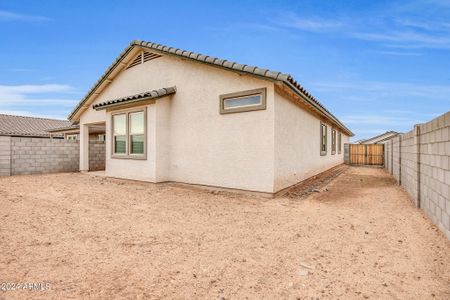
x=406 y=39
x=292 y=20
x=369 y=90
x=380 y=120
x=396 y=26
x=37 y=100
x=54 y=115
x=11 y=16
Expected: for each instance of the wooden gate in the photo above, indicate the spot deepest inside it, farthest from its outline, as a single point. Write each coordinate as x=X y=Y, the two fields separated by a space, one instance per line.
x=367 y=154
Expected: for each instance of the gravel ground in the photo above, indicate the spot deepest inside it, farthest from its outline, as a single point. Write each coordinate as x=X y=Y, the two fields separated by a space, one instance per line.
x=90 y=237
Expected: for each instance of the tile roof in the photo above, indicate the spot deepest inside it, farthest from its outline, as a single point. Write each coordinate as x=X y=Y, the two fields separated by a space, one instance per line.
x=222 y=63
x=28 y=126
x=155 y=94
x=64 y=128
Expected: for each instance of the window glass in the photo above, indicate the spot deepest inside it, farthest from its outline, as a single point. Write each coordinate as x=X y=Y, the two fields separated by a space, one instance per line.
x=333 y=141
x=120 y=124
x=242 y=101
x=339 y=142
x=137 y=123
x=137 y=144
x=120 y=144
x=324 y=138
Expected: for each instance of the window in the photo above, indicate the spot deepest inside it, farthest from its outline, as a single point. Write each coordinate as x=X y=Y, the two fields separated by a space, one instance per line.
x=243 y=101
x=101 y=137
x=323 y=139
x=339 y=143
x=129 y=134
x=333 y=141
x=120 y=134
x=137 y=132
x=72 y=137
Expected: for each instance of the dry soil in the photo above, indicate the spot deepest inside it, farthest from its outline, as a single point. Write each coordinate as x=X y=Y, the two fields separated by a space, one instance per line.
x=358 y=237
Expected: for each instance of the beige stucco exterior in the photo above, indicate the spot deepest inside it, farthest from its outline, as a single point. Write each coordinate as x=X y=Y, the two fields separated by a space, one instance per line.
x=297 y=144
x=189 y=141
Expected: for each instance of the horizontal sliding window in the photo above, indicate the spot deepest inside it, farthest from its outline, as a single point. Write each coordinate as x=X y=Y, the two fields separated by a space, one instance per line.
x=243 y=101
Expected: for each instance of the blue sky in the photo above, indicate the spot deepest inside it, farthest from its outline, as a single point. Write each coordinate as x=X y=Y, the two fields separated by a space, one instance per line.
x=377 y=65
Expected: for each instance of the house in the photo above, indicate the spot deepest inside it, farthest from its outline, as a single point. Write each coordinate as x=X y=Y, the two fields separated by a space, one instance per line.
x=379 y=138
x=21 y=126
x=174 y=115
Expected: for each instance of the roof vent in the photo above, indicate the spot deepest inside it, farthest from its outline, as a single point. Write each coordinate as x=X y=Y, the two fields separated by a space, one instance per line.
x=149 y=56
x=143 y=57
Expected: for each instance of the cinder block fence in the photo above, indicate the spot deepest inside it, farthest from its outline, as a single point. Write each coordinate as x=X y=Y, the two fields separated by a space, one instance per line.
x=420 y=161
x=27 y=155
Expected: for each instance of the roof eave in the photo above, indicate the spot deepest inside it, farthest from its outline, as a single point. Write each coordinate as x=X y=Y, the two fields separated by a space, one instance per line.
x=318 y=108
x=264 y=74
x=100 y=81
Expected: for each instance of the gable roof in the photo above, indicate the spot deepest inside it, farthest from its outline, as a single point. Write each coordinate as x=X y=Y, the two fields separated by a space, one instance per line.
x=155 y=94
x=28 y=126
x=266 y=74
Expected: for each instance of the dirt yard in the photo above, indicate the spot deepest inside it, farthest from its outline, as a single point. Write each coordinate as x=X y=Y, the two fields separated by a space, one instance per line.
x=91 y=237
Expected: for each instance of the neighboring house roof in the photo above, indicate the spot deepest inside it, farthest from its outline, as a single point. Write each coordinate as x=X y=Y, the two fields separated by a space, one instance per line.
x=213 y=61
x=379 y=138
x=152 y=95
x=28 y=126
x=65 y=128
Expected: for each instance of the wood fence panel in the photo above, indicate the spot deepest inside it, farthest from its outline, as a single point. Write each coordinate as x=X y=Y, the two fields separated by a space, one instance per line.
x=367 y=154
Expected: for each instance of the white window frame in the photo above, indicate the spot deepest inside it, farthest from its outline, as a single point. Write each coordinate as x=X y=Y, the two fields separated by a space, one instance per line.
x=70 y=137
x=244 y=108
x=128 y=154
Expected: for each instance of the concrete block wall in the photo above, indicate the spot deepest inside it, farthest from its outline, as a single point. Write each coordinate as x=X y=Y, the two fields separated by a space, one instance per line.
x=41 y=155
x=5 y=155
x=435 y=171
x=97 y=155
x=421 y=164
x=396 y=158
x=409 y=163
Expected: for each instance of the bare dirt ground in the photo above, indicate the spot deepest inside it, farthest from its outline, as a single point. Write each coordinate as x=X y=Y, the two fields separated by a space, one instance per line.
x=91 y=237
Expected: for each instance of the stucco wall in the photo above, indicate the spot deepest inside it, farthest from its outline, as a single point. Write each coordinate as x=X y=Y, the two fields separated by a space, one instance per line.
x=189 y=141
x=297 y=144
x=195 y=144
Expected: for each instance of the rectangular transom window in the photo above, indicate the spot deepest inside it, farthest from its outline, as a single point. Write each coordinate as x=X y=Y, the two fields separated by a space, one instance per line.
x=243 y=101
x=339 y=143
x=333 y=141
x=323 y=139
x=129 y=134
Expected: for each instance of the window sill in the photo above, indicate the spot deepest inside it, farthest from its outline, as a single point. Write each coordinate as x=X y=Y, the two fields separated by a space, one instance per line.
x=137 y=157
